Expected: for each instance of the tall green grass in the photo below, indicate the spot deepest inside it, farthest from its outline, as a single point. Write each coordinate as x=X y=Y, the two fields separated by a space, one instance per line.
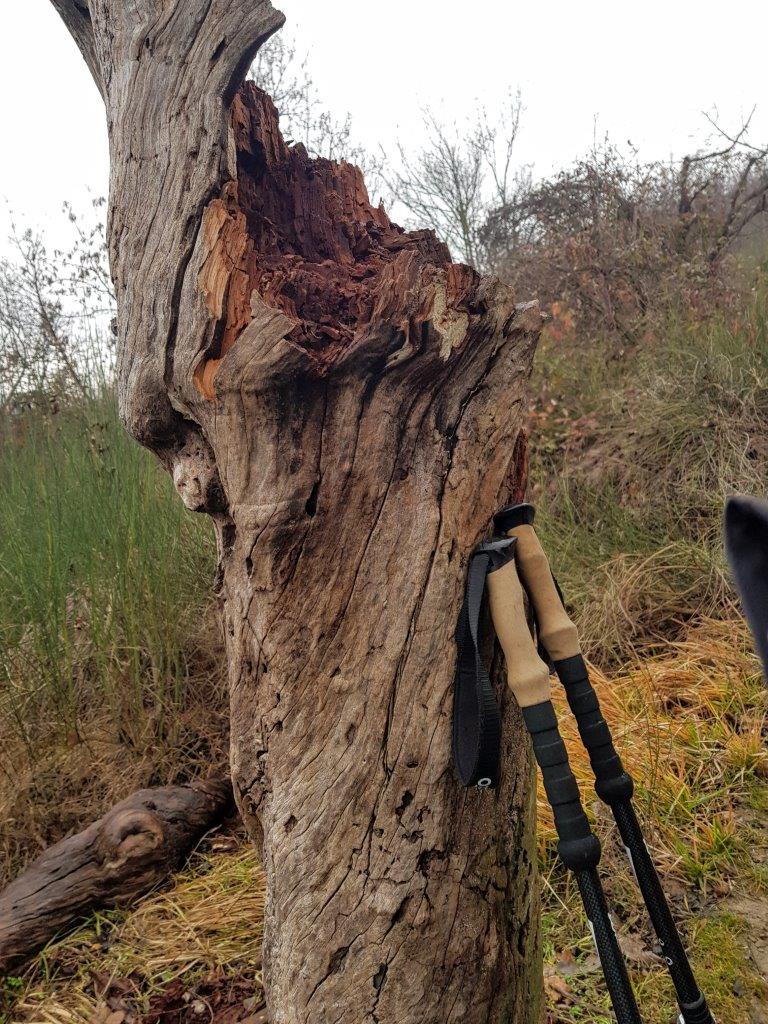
x=104 y=580
x=102 y=571
x=632 y=462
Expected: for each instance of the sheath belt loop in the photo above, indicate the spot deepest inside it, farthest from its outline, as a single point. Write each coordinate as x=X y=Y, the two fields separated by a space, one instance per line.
x=476 y=717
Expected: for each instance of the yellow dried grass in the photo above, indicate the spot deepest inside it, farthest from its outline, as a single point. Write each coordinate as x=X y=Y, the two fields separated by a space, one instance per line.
x=209 y=922
x=689 y=724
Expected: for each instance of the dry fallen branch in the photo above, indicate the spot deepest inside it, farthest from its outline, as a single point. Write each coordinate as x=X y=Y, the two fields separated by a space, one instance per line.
x=116 y=859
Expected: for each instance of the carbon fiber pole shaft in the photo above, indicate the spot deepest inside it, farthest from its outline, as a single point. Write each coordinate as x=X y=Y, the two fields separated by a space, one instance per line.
x=615 y=787
x=611 y=957
x=579 y=850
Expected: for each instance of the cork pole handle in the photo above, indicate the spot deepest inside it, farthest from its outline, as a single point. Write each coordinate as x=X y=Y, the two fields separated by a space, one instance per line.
x=578 y=846
x=556 y=630
x=612 y=784
x=527 y=675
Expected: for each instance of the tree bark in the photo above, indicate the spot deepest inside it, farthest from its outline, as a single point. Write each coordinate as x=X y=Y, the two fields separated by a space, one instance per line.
x=116 y=859
x=346 y=404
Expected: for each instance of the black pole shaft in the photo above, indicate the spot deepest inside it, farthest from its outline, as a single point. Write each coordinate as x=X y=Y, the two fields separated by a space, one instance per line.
x=579 y=850
x=611 y=957
x=693 y=1005
x=615 y=787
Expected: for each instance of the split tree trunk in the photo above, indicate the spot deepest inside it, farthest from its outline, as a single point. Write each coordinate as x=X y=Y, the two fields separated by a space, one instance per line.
x=345 y=403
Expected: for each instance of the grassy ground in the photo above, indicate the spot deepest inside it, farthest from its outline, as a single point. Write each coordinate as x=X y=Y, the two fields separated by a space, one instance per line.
x=201 y=937
x=634 y=460
x=631 y=462
x=689 y=723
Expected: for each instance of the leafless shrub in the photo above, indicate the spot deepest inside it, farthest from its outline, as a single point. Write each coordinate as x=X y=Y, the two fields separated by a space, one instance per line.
x=54 y=310
x=460 y=176
x=611 y=244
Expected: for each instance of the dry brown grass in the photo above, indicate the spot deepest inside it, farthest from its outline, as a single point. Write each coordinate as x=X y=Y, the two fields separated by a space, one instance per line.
x=690 y=724
x=54 y=786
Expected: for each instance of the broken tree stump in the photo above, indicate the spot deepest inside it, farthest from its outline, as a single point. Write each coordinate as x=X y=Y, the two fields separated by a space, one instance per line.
x=116 y=859
x=346 y=404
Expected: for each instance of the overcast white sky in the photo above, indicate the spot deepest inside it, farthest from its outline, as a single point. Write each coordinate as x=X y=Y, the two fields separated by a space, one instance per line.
x=638 y=71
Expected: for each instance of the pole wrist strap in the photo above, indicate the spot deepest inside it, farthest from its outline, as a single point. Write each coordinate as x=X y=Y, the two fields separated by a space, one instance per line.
x=476 y=717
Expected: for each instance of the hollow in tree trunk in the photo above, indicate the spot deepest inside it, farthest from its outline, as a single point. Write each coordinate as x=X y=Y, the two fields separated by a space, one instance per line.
x=346 y=404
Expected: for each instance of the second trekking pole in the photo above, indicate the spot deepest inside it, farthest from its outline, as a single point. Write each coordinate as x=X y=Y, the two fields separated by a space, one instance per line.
x=558 y=636
x=578 y=846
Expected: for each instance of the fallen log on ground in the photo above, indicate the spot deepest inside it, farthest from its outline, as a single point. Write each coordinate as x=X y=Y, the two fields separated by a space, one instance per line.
x=116 y=859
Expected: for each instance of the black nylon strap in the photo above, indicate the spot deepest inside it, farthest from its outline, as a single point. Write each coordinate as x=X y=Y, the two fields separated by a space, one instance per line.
x=476 y=718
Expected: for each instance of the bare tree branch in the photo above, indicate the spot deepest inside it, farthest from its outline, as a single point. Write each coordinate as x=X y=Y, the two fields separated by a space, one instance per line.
x=739 y=138
x=77 y=18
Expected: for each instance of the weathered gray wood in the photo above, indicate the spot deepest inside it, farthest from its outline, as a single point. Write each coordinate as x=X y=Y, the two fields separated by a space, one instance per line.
x=118 y=858
x=77 y=18
x=346 y=404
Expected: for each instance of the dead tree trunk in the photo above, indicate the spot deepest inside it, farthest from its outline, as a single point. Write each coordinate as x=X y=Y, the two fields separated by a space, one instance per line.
x=116 y=859
x=345 y=403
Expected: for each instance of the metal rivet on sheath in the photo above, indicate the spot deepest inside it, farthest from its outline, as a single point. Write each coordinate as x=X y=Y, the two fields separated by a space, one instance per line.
x=483 y=783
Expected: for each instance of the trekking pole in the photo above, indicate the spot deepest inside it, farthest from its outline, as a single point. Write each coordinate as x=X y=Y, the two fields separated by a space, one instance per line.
x=613 y=785
x=578 y=846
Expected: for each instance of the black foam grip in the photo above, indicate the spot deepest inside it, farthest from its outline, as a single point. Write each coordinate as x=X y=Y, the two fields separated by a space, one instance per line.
x=578 y=847
x=611 y=781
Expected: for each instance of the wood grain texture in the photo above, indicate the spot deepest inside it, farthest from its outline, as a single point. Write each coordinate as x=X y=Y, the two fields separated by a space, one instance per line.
x=346 y=404
x=116 y=859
